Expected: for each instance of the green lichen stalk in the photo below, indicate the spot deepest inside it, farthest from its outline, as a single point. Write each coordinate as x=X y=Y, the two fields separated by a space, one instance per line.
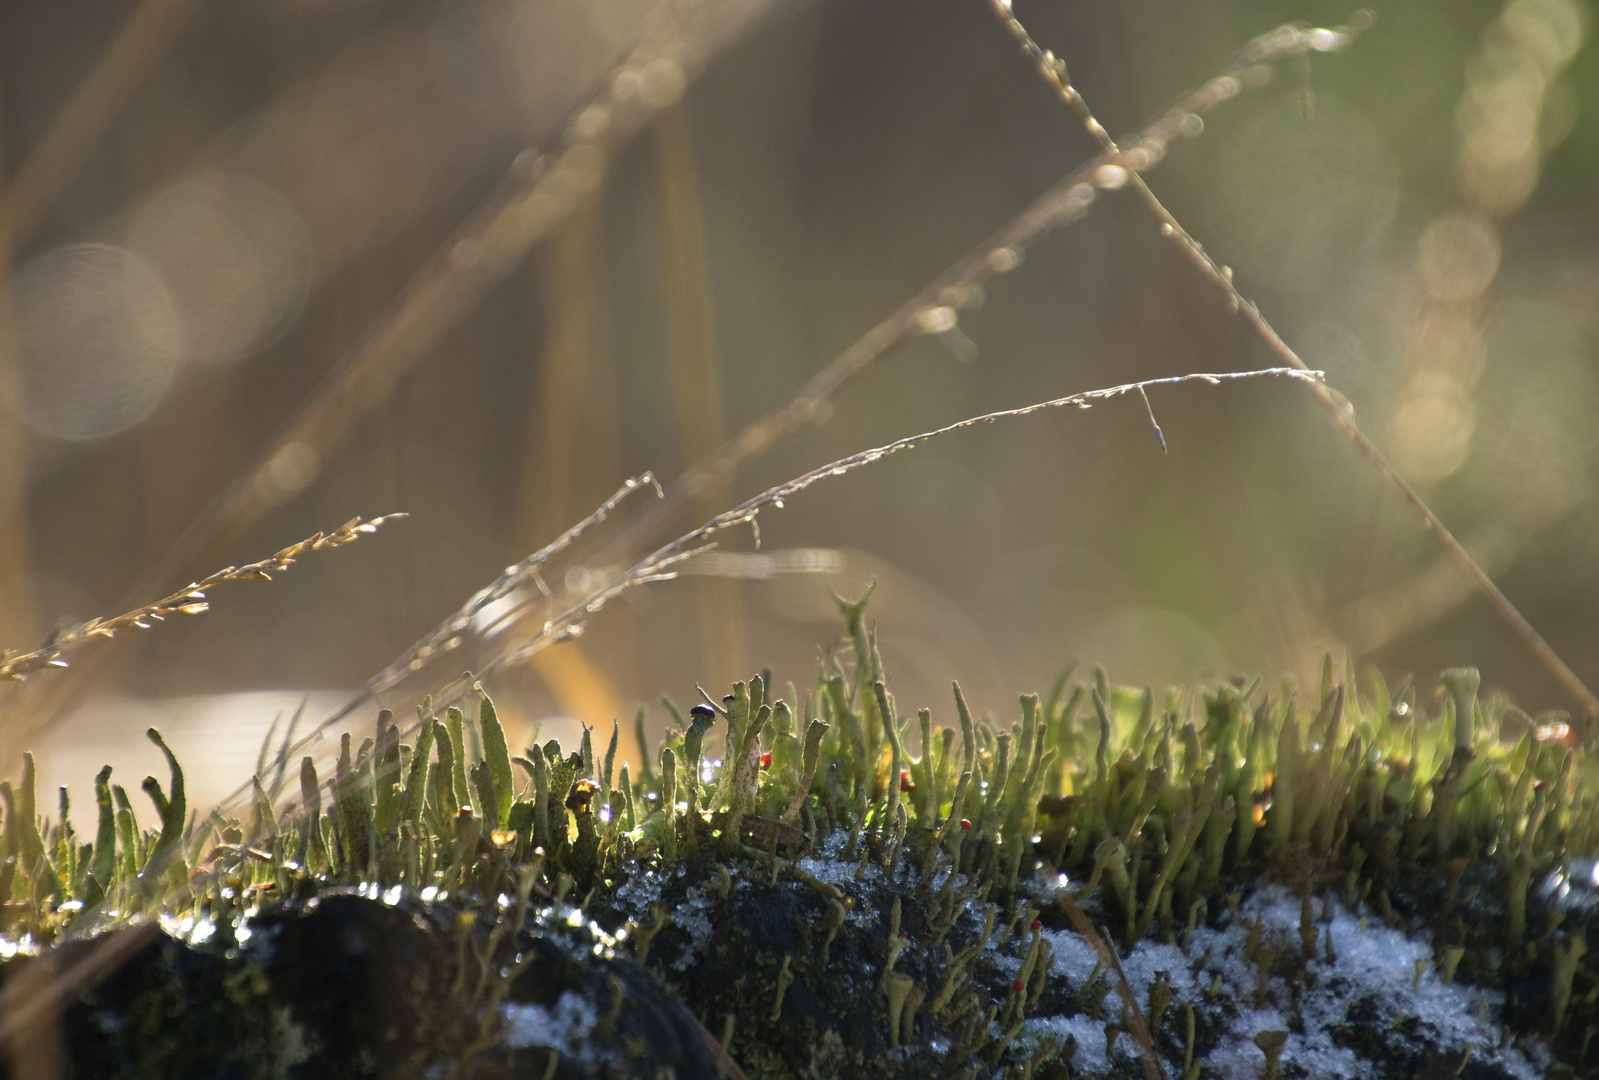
x=846 y=884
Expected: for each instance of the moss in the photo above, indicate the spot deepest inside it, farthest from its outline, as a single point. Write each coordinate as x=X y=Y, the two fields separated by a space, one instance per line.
x=864 y=901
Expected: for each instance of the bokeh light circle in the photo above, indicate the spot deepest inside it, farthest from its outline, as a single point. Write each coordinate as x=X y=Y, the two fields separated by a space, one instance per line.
x=98 y=339
x=235 y=256
x=1301 y=197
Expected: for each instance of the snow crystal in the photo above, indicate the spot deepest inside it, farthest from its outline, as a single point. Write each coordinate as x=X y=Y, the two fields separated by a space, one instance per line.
x=1374 y=968
x=691 y=916
x=565 y=1028
x=841 y=874
x=1089 y=1056
x=1144 y=962
x=639 y=892
x=1070 y=955
x=837 y=871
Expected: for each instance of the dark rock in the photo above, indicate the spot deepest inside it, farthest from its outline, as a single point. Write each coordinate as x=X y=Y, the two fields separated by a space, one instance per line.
x=348 y=986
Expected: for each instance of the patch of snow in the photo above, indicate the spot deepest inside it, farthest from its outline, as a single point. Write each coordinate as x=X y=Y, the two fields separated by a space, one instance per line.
x=840 y=872
x=691 y=916
x=639 y=892
x=1141 y=966
x=1089 y=1055
x=564 y=1028
x=1070 y=956
x=1375 y=968
x=1376 y=965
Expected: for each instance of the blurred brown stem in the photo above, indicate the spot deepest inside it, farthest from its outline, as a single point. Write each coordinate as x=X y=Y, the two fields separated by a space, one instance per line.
x=1001 y=252
x=76 y=129
x=957 y=287
x=553 y=470
x=1153 y=1069
x=691 y=334
x=539 y=193
x=16 y=552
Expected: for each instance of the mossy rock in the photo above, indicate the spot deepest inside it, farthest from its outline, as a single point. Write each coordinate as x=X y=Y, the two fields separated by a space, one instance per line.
x=345 y=985
x=1397 y=888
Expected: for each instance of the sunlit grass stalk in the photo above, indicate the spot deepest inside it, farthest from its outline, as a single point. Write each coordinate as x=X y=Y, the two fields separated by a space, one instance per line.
x=1298 y=40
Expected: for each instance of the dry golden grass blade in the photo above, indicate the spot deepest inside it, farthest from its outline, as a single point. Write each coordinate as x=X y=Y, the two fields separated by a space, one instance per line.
x=568 y=402
x=936 y=308
x=190 y=600
x=691 y=334
x=573 y=432
x=16 y=548
x=1337 y=406
x=1153 y=1068
x=667 y=562
x=539 y=194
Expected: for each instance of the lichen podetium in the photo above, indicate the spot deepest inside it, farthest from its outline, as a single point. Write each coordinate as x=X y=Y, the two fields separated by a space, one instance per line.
x=1223 y=881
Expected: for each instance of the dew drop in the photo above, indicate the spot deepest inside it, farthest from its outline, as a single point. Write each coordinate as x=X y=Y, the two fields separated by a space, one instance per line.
x=661 y=83
x=625 y=85
x=1002 y=260
x=1257 y=75
x=592 y=122
x=936 y=320
x=1110 y=177
x=1322 y=40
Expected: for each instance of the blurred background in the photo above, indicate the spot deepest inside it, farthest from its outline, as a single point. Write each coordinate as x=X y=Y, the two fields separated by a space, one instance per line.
x=208 y=208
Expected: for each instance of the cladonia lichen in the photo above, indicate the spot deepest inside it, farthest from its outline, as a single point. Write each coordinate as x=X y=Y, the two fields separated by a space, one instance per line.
x=1233 y=881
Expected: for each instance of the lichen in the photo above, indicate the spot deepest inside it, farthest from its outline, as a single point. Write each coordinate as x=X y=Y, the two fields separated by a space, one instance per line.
x=1236 y=880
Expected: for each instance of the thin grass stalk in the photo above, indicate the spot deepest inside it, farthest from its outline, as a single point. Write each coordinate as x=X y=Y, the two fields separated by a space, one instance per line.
x=438 y=639
x=190 y=600
x=1001 y=252
x=937 y=305
x=538 y=194
x=1336 y=405
x=663 y=563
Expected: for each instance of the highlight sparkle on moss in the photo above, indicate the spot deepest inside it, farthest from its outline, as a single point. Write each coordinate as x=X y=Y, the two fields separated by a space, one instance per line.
x=1251 y=859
